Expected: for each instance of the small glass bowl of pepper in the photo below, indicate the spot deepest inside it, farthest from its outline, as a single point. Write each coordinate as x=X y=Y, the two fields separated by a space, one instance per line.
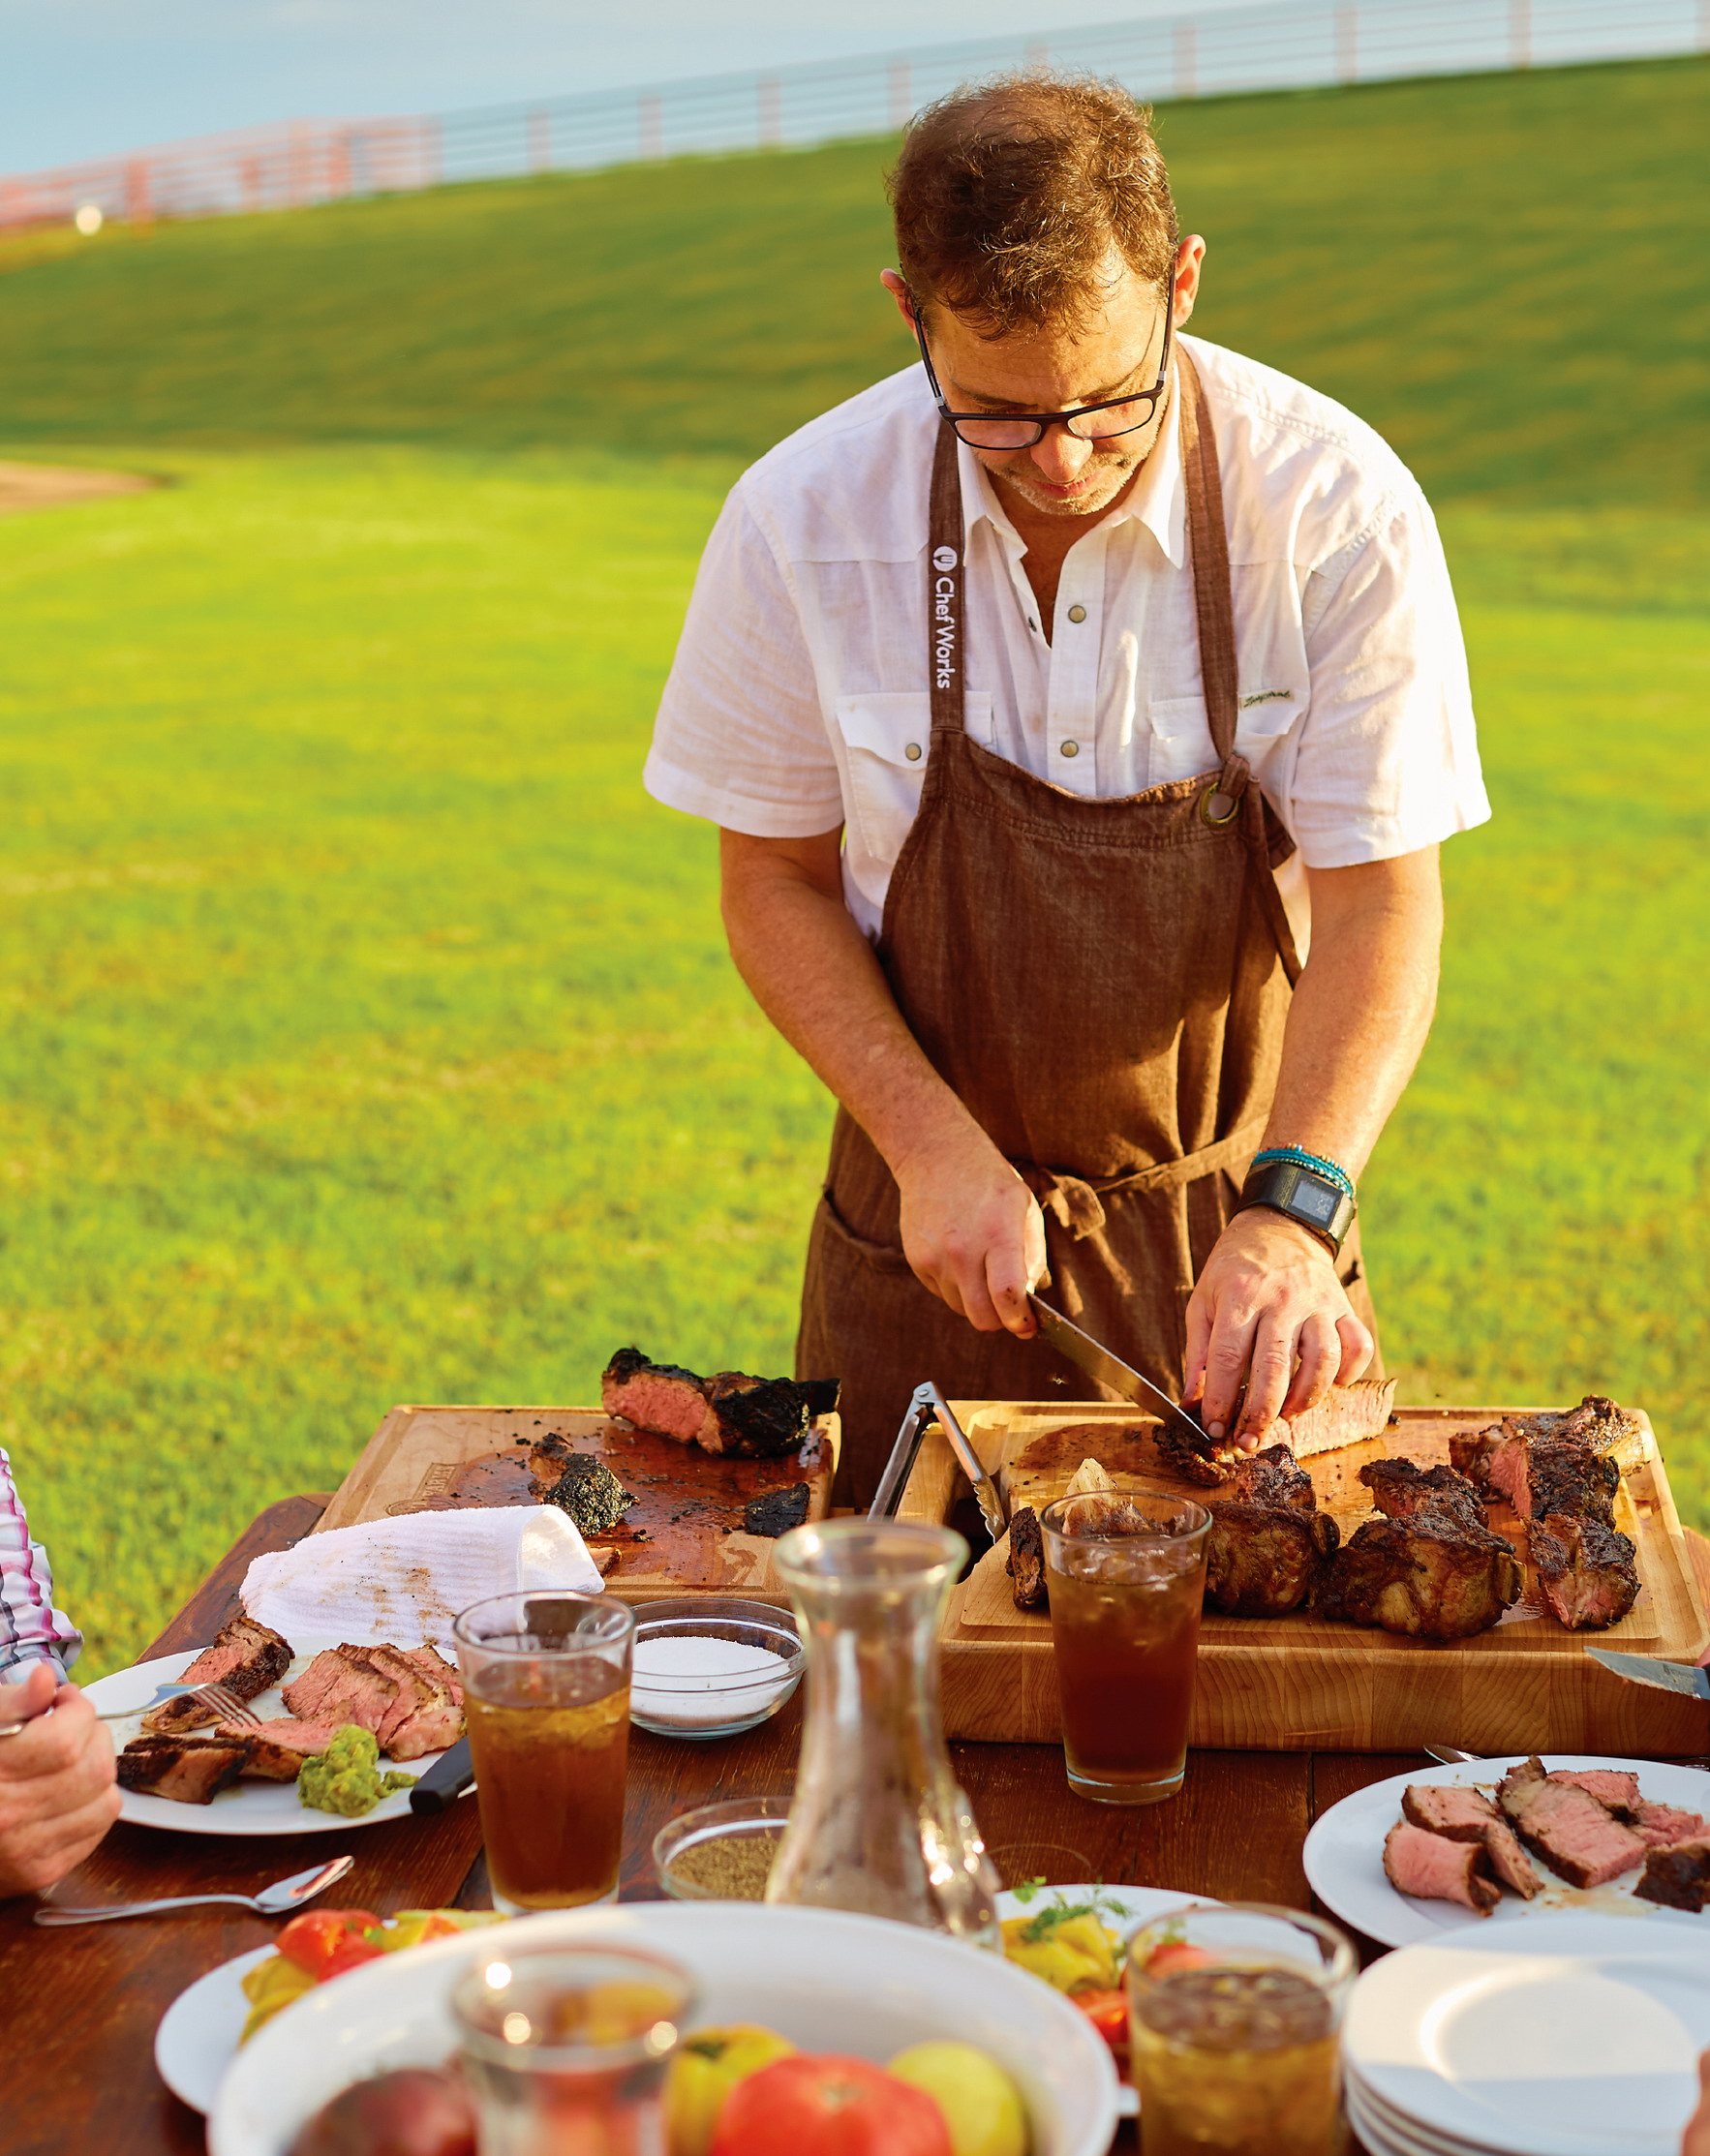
x=720 y=1852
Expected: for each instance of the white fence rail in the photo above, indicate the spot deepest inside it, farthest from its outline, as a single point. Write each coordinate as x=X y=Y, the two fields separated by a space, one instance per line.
x=1211 y=53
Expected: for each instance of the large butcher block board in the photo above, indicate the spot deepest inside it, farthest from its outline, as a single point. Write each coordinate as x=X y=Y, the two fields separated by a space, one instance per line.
x=683 y=1535
x=1300 y=1683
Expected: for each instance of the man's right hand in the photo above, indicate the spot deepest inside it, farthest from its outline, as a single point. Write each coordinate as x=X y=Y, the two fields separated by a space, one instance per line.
x=972 y=1232
x=57 y=1792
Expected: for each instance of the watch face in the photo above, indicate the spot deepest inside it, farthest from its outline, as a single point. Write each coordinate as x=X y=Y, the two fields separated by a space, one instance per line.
x=1315 y=1201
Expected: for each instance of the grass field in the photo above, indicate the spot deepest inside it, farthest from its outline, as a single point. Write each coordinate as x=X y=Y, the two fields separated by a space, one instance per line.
x=369 y=1036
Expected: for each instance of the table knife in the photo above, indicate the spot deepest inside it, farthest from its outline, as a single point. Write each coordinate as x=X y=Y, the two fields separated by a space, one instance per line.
x=1646 y=1669
x=1086 y=1354
x=446 y=1781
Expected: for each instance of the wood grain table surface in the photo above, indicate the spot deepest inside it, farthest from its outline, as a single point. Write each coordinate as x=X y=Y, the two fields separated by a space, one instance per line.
x=78 y=2007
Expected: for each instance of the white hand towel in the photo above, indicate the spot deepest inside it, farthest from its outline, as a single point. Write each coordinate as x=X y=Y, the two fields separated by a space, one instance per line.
x=402 y=1582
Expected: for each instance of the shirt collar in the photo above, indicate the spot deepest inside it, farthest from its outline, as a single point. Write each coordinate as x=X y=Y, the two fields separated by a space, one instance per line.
x=1158 y=501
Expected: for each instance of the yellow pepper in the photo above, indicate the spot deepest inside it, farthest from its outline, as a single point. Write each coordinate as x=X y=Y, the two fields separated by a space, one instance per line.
x=1076 y=1953
x=270 y=1986
x=706 y=2068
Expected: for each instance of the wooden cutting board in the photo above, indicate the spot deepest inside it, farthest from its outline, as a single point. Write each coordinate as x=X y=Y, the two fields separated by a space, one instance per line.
x=1299 y=1682
x=684 y=1534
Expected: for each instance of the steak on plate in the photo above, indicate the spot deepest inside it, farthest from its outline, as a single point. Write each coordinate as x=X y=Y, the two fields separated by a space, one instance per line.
x=1265 y=1560
x=1462 y=1814
x=336 y=1689
x=1678 y=1877
x=1579 y=1838
x=1660 y=1826
x=1434 y=1868
x=423 y=1717
x=278 y=1748
x=245 y=1657
x=1431 y=1576
x=189 y=1770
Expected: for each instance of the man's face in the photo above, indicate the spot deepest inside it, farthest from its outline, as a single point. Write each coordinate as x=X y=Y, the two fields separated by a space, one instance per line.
x=1116 y=348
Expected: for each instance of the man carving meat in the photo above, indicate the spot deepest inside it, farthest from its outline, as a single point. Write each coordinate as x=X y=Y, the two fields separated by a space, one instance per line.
x=1083 y=710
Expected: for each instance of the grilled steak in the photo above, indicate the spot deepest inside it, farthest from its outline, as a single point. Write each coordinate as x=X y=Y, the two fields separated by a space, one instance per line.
x=1461 y=1814
x=658 y=1396
x=1193 y=1462
x=1401 y=1490
x=1495 y=1457
x=423 y=1717
x=1272 y=1477
x=278 y=1748
x=1677 y=1877
x=1611 y=1786
x=1432 y=1868
x=1265 y=1560
x=755 y=1418
x=438 y=1668
x=1345 y=1415
x=1661 y=1826
x=1432 y=1576
x=1025 y=1562
x=1576 y=1836
x=1569 y=1478
x=190 y=1771
x=1509 y=1860
x=335 y=1689
x=775 y=1513
x=245 y=1657
x=1587 y=1569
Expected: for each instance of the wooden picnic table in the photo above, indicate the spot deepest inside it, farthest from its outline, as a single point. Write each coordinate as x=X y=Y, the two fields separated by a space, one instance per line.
x=78 y=2007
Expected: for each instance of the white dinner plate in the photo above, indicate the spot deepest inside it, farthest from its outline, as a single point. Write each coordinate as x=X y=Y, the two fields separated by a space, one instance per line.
x=196 y=2040
x=1576 y=2035
x=1344 y=1856
x=1125 y=1909
x=248 y=1808
x=827 y=1980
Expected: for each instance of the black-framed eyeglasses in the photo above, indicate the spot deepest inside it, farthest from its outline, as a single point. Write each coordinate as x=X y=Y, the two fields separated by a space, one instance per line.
x=1021 y=430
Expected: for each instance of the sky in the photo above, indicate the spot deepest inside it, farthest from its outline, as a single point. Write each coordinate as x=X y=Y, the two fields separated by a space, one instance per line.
x=85 y=77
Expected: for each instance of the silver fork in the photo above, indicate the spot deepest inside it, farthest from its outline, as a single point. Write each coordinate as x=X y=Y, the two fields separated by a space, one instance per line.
x=225 y=1702
x=272 y=1901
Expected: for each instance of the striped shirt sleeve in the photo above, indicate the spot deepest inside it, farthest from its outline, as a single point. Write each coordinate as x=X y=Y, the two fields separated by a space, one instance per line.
x=31 y=1629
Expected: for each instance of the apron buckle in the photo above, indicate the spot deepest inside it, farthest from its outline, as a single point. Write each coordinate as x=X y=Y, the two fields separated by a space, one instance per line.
x=1221 y=802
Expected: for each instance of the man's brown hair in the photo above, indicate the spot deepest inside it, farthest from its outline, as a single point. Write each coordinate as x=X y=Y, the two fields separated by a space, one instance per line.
x=1010 y=196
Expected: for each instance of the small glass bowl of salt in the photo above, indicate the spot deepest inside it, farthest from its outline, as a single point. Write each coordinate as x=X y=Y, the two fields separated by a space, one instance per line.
x=708 y=1666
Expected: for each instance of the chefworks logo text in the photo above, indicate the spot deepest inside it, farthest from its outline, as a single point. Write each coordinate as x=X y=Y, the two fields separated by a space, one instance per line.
x=943 y=617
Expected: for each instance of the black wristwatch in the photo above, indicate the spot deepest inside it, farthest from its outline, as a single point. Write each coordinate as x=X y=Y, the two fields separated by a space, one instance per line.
x=1313 y=1202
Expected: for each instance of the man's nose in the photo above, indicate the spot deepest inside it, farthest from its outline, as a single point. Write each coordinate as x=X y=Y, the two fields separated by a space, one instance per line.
x=1061 y=457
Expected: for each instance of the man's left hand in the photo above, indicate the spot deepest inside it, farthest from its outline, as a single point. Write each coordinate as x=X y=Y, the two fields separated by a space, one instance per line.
x=1268 y=1307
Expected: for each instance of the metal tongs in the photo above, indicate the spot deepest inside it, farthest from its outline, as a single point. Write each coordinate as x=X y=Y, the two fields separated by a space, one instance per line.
x=928 y=1405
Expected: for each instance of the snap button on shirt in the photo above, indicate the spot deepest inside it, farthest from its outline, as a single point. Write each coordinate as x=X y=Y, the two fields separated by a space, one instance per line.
x=1076 y=614
x=912 y=752
x=1071 y=749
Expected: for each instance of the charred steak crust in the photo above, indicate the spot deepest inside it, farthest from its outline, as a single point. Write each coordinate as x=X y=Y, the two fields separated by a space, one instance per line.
x=1401 y=1490
x=1677 y=1877
x=1431 y=1577
x=774 y=1512
x=1025 y=1562
x=244 y=1655
x=589 y=1494
x=1273 y=1476
x=1192 y=1463
x=189 y=1771
x=1265 y=1560
x=757 y=1418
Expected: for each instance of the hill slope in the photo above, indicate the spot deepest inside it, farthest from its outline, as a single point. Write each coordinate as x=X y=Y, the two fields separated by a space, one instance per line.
x=1503 y=272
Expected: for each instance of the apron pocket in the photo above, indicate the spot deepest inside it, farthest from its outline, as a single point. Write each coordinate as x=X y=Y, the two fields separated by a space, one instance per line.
x=839 y=1236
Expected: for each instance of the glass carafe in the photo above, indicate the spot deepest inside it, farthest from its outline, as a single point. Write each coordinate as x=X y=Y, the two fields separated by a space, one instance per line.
x=878 y=1823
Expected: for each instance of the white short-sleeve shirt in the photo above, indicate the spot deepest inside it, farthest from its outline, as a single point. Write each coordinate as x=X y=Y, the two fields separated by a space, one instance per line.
x=798 y=700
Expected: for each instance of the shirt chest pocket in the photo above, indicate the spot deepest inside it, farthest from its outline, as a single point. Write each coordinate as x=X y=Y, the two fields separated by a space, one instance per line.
x=887 y=739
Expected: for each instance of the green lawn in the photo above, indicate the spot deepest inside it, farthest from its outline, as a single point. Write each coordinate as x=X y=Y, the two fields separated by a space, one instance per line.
x=369 y=1035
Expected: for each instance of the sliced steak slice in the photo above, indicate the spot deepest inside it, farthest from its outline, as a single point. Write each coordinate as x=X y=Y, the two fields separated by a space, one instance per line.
x=1431 y=1576
x=245 y=1657
x=1025 y=1562
x=1509 y=1860
x=424 y=1717
x=1579 y=1840
x=1432 y=1868
x=1266 y=1560
x=1462 y=1814
x=278 y=1748
x=1272 y=1477
x=190 y=1771
x=337 y=1689
x=1678 y=1877
x=442 y=1672
x=1345 y=1415
x=1612 y=1787
x=1661 y=1826
x=1587 y=1569
x=1399 y=1490
x=658 y=1396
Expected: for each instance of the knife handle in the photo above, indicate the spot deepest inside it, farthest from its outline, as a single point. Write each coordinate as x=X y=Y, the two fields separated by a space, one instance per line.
x=446 y=1781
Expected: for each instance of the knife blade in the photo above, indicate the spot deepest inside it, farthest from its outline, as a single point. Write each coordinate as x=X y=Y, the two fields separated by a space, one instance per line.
x=1086 y=1354
x=969 y=1459
x=1646 y=1669
x=446 y=1781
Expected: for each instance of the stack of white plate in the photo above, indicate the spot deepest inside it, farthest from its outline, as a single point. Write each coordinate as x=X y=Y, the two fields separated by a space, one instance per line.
x=1570 y=2035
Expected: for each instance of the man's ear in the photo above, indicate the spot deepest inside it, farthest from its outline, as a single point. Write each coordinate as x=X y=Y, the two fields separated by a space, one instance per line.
x=892 y=281
x=1190 y=258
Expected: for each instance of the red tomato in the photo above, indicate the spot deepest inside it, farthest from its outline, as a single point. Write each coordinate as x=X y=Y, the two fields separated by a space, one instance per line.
x=1108 y=2012
x=310 y=1940
x=828 y=2106
x=349 y=1953
x=1176 y=1953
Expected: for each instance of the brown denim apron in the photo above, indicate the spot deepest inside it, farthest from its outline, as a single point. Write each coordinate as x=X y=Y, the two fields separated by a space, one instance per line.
x=1104 y=983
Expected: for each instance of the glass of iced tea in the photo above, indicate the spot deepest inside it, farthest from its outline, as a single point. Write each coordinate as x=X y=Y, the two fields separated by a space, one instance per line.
x=1126 y=1577
x=565 y=2048
x=1234 y=2015
x=546 y=1690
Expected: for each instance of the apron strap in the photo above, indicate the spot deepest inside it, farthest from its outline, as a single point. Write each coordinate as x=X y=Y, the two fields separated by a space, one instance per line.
x=946 y=586
x=1232 y=796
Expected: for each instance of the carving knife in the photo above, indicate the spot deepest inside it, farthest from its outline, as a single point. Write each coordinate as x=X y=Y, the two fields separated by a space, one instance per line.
x=1646 y=1669
x=446 y=1781
x=1086 y=1354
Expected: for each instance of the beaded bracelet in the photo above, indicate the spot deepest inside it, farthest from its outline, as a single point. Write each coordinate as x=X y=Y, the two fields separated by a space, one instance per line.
x=1302 y=1158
